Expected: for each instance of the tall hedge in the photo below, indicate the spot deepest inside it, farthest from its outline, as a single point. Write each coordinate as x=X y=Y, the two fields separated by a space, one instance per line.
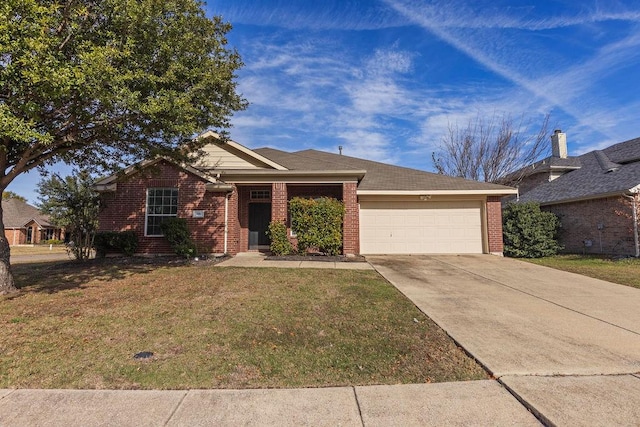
x=317 y=223
x=280 y=244
x=529 y=232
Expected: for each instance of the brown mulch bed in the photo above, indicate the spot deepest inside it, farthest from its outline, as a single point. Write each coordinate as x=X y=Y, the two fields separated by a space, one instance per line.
x=317 y=257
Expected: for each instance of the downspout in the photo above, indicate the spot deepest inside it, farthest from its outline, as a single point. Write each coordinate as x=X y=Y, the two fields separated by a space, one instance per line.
x=634 y=210
x=226 y=221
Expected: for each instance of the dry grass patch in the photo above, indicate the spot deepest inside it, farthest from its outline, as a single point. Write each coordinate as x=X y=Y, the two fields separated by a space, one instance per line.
x=80 y=326
x=623 y=271
x=38 y=250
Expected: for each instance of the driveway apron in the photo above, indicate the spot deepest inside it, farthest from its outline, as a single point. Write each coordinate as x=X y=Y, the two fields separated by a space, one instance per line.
x=524 y=322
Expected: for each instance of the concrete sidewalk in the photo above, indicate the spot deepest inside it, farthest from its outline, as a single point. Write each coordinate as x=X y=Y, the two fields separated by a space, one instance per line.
x=464 y=403
x=566 y=345
x=257 y=259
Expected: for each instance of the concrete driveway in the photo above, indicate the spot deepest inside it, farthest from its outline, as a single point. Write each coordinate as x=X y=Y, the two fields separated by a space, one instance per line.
x=566 y=345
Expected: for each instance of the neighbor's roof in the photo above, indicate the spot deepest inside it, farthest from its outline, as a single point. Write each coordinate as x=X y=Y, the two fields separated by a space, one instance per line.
x=379 y=176
x=602 y=173
x=17 y=214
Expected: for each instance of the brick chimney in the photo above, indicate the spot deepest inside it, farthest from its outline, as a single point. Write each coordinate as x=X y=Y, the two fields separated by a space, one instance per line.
x=559 y=144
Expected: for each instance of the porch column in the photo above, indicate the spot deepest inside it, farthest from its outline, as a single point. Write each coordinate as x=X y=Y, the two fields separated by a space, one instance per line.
x=279 y=201
x=494 y=225
x=351 y=225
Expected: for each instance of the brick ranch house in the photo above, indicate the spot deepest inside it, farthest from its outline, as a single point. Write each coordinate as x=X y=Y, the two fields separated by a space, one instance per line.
x=26 y=225
x=233 y=193
x=595 y=195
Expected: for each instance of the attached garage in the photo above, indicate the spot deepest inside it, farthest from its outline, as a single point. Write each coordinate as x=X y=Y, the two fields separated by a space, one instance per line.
x=421 y=227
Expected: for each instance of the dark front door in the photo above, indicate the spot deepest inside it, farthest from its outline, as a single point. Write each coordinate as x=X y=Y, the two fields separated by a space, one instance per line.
x=259 y=218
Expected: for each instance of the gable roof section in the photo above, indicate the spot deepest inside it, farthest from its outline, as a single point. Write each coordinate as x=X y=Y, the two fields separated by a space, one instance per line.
x=381 y=178
x=17 y=214
x=612 y=171
x=250 y=158
x=546 y=165
x=107 y=183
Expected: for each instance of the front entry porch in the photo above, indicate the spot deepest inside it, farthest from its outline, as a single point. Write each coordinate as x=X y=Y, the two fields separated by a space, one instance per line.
x=259 y=204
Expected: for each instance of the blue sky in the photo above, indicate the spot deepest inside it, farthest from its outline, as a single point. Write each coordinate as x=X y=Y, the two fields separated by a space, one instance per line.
x=384 y=78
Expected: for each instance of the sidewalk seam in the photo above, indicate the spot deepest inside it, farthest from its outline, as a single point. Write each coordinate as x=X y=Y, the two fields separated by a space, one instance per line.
x=173 y=412
x=537 y=297
x=535 y=412
x=355 y=394
x=9 y=394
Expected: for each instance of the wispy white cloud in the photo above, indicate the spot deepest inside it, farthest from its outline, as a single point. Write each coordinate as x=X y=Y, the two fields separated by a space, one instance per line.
x=311 y=84
x=452 y=14
x=557 y=88
x=322 y=15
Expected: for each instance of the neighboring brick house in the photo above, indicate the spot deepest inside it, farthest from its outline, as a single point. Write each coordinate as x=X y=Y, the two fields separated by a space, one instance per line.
x=233 y=193
x=595 y=195
x=25 y=224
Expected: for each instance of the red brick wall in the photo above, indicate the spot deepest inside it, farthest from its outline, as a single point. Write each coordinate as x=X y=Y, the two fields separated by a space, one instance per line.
x=233 y=224
x=125 y=208
x=351 y=229
x=494 y=224
x=279 y=206
x=580 y=221
x=16 y=236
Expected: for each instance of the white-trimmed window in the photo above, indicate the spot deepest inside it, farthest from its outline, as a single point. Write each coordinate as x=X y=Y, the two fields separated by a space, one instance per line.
x=162 y=203
x=260 y=195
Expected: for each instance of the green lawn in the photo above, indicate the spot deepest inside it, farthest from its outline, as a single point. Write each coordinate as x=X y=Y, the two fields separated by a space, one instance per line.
x=624 y=271
x=79 y=326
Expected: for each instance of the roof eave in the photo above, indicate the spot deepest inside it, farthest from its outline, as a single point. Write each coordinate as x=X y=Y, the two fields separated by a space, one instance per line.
x=246 y=176
x=631 y=191
x=494 y=192
x=106 y=183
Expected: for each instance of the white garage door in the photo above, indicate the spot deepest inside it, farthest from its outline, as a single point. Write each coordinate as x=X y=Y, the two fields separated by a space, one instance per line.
x=420 y=227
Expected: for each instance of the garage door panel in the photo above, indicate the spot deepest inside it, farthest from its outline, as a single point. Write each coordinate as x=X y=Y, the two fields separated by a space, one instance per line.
x=420 y=227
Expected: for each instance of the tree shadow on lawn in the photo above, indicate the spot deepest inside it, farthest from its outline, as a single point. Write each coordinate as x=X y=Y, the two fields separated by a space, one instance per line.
x=55 y=276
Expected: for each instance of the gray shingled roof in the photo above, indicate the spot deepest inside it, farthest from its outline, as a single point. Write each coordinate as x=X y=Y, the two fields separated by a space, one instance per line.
x=17 y=214
x=544 y=165
x=379 y=176
x=615 y=169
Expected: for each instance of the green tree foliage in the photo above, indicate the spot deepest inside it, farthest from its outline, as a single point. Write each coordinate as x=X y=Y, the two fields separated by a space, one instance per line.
x=280 y=244
x=105 y=82
x=6 y=195
x=529 y=232
x=72 y=204
x=317 y=223
x=177 y=233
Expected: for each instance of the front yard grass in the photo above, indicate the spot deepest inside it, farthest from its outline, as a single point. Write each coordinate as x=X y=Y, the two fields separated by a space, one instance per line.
x=79 y=326
x=38 y=250
x=623 y=271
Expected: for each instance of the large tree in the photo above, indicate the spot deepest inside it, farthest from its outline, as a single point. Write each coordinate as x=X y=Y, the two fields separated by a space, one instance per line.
x=103 y=82
x=72 y=203
x=488 y=148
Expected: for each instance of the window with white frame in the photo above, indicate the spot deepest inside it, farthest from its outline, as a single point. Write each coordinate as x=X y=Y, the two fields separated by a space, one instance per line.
x=256 y=195
x=162 y=203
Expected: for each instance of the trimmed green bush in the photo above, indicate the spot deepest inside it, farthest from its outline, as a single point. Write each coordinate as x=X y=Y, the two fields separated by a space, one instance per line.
x=125 y=242
x=280 y=244
x=177 y=233
x=529 y=232
x=53 y=242
x=318 y=224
